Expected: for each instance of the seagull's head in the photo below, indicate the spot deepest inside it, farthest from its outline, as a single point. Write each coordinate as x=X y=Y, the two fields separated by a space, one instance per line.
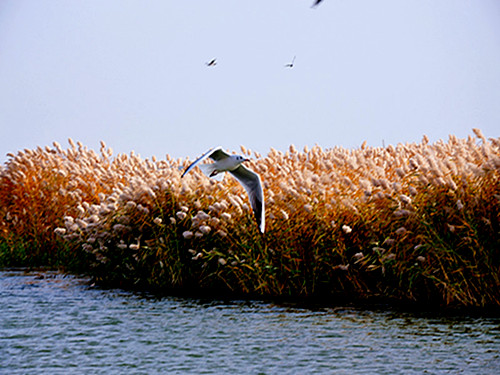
x=240 y=159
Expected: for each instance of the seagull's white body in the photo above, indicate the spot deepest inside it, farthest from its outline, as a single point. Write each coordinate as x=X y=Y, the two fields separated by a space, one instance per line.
x=223 y=162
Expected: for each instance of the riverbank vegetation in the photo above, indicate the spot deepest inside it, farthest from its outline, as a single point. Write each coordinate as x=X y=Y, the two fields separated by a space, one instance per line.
x=410 y=223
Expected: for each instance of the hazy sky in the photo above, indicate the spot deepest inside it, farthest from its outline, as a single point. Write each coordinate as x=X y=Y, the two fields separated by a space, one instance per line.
x=133 y=73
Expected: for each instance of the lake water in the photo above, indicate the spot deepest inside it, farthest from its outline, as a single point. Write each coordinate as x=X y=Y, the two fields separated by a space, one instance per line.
x=56 y=324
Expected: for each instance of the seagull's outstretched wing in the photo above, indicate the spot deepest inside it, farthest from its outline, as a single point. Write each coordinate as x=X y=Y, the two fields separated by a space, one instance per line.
x=251 y=182
x=212 y=62
x=218 y=153
x=215 y=153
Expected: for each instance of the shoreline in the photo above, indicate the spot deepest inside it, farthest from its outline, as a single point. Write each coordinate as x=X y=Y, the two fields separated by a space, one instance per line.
x=376 y=303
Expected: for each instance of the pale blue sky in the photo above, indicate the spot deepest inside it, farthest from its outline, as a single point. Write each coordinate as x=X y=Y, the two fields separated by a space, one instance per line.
x=132 y=73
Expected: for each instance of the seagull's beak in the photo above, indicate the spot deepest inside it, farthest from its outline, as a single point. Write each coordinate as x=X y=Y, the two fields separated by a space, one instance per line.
x=246 y=160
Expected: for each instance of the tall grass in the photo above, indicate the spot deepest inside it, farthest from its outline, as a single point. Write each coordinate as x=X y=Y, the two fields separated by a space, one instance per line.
x=412 y=222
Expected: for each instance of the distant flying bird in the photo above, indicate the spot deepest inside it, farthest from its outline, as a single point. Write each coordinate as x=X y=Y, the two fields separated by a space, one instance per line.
x=223 y=162
x=213 y=62
x=316 y=3
x=290 y=65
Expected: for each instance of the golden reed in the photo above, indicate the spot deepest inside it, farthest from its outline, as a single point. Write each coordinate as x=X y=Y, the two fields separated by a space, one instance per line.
x=411 y=222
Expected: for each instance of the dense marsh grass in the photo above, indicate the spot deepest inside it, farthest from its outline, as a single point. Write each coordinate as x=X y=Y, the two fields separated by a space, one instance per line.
x=412 y=222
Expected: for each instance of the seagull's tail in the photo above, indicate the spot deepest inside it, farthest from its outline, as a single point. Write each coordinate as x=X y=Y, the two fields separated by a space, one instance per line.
x=209 y=169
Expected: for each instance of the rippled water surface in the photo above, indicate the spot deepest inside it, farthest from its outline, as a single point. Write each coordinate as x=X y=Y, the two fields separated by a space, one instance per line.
x=55 y=324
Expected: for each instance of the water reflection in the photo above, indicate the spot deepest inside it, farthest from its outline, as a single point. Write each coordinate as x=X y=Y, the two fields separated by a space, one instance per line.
x=55 y=324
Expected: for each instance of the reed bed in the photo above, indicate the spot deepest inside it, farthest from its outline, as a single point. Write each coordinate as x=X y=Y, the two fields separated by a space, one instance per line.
x=412 y=222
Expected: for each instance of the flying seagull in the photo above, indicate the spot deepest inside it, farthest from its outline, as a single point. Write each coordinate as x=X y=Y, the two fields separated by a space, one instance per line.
x=212 y=62
x=316 y=3
x=223 y=162
x=290 y=65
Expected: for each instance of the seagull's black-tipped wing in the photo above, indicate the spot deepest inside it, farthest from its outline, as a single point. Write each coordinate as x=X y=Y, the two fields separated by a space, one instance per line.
x=316 y=3
x=251 y=182
x=201 y=158
x=215 y=153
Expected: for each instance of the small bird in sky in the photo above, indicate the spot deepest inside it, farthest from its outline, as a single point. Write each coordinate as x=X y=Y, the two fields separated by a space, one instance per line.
x=290 y=65
x=212 y=62
x=223 y=162
x=316 y=3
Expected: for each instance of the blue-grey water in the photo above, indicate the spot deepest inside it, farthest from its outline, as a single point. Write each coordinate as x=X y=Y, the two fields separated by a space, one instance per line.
x=56 y=324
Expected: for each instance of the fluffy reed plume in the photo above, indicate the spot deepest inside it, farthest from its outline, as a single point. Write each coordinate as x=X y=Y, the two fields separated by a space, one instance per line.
x=411 y=222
